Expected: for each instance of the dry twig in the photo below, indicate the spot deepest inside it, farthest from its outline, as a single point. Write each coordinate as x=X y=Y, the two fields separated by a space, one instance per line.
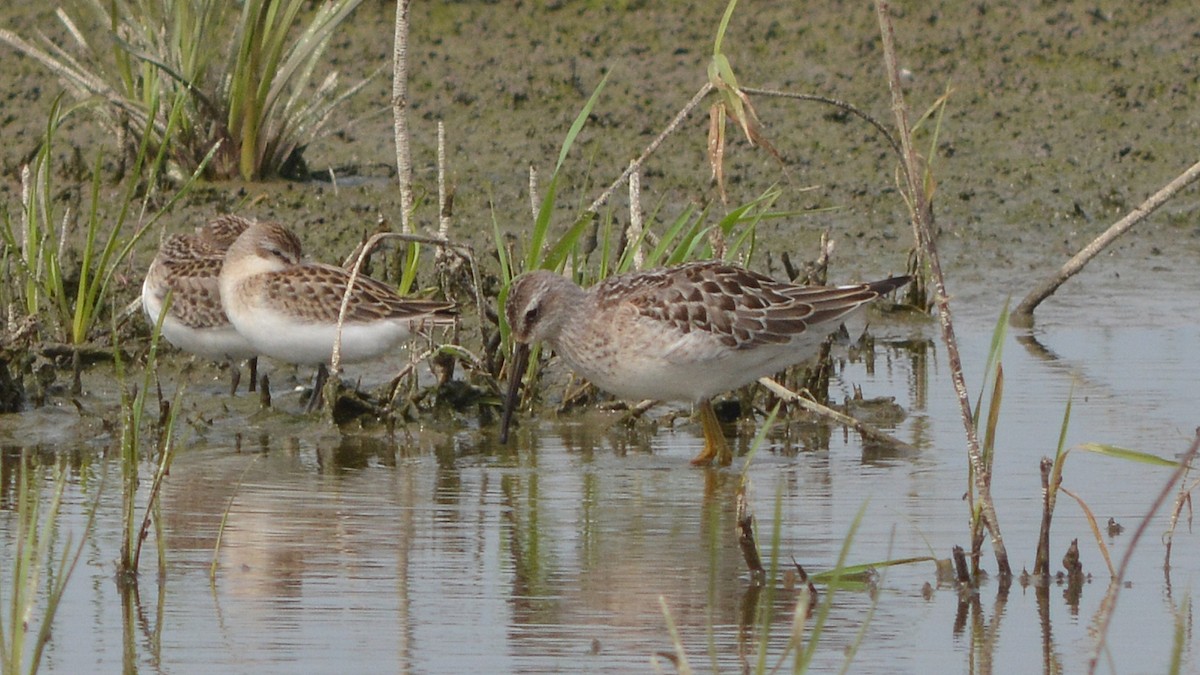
x=1022 y=316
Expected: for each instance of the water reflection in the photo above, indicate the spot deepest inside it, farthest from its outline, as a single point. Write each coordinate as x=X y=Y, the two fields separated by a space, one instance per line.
x=433 y=549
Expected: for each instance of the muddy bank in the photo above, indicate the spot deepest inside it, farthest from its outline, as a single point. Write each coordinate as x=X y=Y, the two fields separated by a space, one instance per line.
x=1061 y=117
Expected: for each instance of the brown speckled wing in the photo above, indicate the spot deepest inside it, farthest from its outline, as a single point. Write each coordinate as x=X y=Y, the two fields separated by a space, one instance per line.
x=221 y=231
x=831 y=303
x=318 y=290
x=196 y=297
x=181 y=248
x=736 y=307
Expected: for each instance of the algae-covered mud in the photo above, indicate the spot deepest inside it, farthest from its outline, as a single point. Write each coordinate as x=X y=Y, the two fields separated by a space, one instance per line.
x=1060 y=118
x=427 y=546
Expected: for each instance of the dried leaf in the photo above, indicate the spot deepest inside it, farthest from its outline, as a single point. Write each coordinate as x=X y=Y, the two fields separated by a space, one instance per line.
x=716 y=146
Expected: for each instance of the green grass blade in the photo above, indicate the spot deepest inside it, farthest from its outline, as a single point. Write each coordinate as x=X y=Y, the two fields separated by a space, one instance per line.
x=506 y=270
x=767 y=601
x=557 y=256
x=1128 y=455
x=684 y=220
x=993 y=418
x=1182 y=632
x=805 y=652
x=577 y=124
x=541 y=224
x=409 y=276
x=858 y=573
x=724 y=26
x=995 y=351
x=681 y=661
x=86 y=293
x=1061 y=449
x=696 y=238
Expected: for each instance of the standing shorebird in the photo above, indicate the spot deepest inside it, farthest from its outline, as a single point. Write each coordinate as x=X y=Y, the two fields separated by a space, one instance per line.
x=683 y=333
x=188 y=266
x=288 y=309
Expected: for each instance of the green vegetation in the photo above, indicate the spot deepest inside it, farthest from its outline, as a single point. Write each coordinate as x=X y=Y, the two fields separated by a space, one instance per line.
x=134 y=438
x=158 y=61
x=42 y=564
x=68 y=300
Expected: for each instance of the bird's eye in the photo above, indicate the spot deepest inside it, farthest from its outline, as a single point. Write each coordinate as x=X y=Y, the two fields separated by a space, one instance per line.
x=531 y=315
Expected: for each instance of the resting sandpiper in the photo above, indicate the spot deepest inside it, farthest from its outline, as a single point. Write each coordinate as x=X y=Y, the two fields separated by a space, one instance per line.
x=288 y=308
x=188 y=266
x=683 y=333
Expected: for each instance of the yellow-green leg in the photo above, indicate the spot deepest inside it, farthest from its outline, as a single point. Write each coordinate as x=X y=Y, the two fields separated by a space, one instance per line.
x=716 y=449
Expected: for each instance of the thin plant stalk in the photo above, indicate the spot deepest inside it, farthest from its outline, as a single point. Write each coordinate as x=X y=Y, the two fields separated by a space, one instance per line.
x=978 y=530
x=1091 y=518
x=1108 y=606
x=1182 y=500
x=132 y=412
x=153 y=503
x=404 y=172
x=356 y=269
x=445 y=206
x=649 y=150
x=1050 y=484
x=1181 y=634
x=922 y=221
x=767 y=601
x=682 y=667
x=865 y=430
x=636 y=230
x=848 y=107
x=212 y=568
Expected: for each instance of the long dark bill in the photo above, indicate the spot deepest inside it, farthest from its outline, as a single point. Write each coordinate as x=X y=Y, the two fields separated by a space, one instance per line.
x=517 y=371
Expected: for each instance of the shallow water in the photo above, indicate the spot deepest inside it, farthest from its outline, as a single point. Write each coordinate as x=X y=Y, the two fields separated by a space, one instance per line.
x=438 y=551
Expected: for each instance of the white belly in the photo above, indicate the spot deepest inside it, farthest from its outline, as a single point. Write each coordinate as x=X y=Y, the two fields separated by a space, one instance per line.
x=285 y=338
x=646 y=362
x=223 y=343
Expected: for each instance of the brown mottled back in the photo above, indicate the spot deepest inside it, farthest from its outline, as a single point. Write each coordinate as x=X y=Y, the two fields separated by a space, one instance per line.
x=739 y=308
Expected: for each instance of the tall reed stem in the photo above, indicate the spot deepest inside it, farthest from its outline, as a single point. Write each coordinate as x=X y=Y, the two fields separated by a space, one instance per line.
x=400 y=114
x=922 y=221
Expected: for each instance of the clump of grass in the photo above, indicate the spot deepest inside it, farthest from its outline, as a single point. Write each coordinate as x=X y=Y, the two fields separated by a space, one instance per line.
x=540 y=253
x=41 y=567
x=257 y=101
x=66 y=302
